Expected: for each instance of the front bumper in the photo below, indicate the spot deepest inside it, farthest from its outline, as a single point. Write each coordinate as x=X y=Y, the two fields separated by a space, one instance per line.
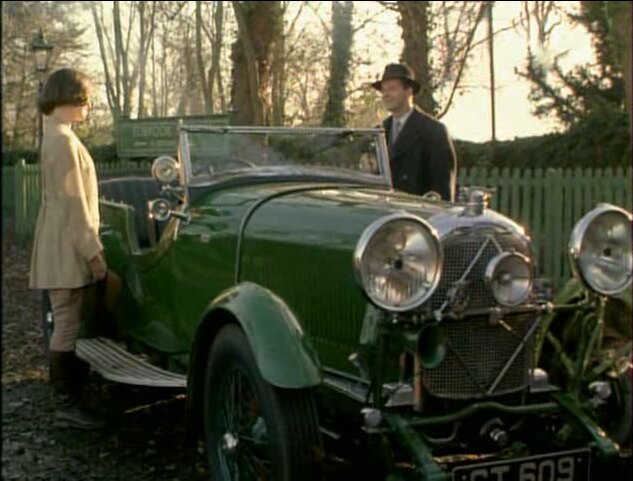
x=575 y=462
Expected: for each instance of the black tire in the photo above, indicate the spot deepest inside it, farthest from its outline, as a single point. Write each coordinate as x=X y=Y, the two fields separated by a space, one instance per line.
x=47 y=321
x=270 y=434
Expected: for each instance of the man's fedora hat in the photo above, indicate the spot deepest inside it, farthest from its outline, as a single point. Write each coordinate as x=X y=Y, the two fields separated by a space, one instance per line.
x=401 y=71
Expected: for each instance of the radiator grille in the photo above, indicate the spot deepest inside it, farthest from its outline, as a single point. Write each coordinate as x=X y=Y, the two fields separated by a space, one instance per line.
x=476 y=355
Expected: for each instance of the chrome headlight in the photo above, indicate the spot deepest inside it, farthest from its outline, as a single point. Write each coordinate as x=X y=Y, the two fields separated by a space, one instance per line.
x=509 y=277
x=165 y=169
x=600 y=249
x=398 y=261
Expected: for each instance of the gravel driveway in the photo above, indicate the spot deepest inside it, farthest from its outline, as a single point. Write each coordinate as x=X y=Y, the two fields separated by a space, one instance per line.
x=144 y=438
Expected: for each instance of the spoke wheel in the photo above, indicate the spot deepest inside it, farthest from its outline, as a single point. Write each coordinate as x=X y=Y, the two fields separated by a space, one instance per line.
x=252 y=430
x=244 y=442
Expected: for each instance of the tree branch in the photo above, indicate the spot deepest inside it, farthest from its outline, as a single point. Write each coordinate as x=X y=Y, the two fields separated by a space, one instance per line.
x=462 y=65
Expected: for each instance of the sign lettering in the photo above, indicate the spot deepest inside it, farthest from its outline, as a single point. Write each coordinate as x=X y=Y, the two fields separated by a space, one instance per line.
x=151 y=137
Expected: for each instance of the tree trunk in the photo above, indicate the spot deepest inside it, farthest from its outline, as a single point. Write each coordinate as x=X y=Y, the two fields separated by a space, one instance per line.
x=216 y=74
x=141 y=60
x=416 y=26
x=113 y=101
x=278 y=74
x=461 y=63
x=202 y=70
x=123 y=71
x=623 y=40
x=258 y=32
x=186 y=97
x=628 y=18
x=340 y=57
x=214 y=71
x=491 y=56
x=165 y=83
x=19 y=109
x=154 y=96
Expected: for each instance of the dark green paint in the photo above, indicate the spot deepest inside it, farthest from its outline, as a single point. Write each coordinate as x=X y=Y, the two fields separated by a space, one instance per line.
x=607 y=448
x=416 y=448
x=477 y=408
x=282 y=351
x=278 y=257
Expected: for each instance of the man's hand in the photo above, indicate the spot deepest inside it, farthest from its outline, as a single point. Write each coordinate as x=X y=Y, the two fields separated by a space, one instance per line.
x=98 y=267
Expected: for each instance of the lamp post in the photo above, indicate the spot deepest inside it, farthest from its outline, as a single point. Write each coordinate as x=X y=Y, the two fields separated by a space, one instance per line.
x=41 y=55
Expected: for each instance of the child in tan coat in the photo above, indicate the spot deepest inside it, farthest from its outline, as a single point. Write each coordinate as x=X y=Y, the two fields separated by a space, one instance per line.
x=67 y=253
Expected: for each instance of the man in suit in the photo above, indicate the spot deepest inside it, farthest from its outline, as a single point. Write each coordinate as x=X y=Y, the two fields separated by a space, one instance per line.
x=421 y=152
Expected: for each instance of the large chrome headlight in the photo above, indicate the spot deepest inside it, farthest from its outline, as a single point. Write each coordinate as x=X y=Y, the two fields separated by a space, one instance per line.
x=509 y=277
x=600 y=249
x=398 y=261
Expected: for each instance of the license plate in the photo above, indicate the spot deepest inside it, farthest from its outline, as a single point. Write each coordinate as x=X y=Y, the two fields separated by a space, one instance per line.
x=562 y=466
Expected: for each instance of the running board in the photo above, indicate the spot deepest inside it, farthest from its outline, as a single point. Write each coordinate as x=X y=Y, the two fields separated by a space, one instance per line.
x=113 y=362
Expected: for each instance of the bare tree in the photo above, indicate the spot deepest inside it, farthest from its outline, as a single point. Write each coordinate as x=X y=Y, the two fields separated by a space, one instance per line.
x=216 y=52
x=112 y=92
x=154 y=91
x=146 y=36
x=416 y=27
x=284 y=52
x=20 y=22
x=491 y=57
x=205 y=81
x=544 y=15
x=449 y=27
x=259 y=29
x=119 y=86
x=210 y=79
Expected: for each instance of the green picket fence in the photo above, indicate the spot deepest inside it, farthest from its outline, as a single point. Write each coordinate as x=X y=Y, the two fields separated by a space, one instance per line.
x=21 y=194
x=547 y=202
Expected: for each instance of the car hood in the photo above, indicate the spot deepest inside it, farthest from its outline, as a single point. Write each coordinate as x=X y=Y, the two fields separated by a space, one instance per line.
x=337 y=214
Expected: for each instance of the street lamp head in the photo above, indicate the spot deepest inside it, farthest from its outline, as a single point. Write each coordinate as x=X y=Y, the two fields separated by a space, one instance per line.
x=42 y=52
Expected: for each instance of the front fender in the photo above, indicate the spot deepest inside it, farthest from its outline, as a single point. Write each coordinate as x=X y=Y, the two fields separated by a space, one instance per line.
x=283 y=353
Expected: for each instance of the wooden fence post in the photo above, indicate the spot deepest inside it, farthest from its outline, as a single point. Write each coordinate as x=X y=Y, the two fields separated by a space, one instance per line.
x=20 y=198
x=553 y=220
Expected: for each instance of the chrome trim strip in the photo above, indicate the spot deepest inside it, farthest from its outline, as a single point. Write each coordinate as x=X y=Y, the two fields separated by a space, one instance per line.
x=451 y=221
x=400 y=394
x=275 y=130
x=535 y=325
x=381 y=145
x=382 y=154
x=490 y=310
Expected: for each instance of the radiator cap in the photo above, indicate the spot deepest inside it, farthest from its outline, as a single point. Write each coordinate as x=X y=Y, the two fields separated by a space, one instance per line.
x=477 y=200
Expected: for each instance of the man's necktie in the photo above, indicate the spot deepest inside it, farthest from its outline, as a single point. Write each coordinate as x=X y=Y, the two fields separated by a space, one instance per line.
x=396 y=131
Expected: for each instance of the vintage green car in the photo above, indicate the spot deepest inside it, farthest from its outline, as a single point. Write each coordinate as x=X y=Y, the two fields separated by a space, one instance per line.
x=314 y=315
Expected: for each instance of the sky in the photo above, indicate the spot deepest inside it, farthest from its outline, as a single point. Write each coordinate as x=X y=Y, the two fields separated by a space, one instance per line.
x=470 y=118
x=470 y=115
